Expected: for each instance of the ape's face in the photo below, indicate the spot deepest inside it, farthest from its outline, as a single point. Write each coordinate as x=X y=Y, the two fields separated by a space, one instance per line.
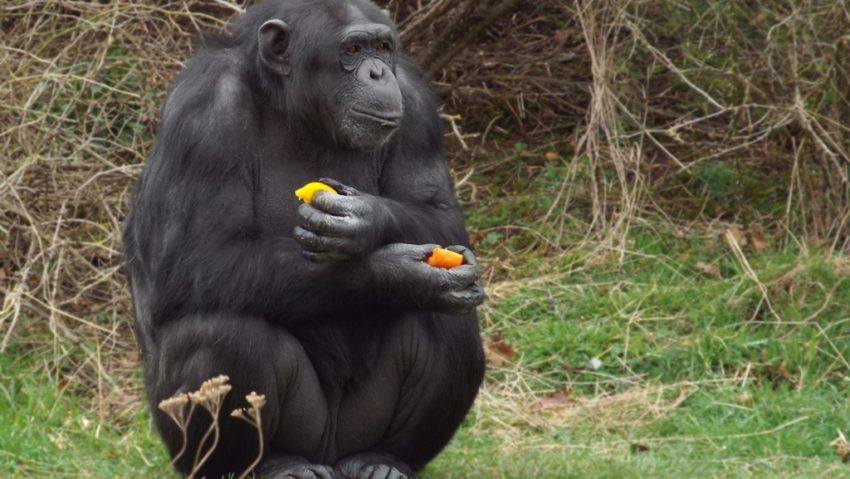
x=347 y=84
x=369 y=97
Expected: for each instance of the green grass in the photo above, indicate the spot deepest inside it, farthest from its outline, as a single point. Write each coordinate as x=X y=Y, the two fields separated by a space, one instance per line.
x=730 y=391
x=50 y=431
x=699 y=374
x=763 y=397
x=781 y=434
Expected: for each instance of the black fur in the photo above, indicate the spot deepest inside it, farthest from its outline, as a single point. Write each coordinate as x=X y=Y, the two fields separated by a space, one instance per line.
x=368 y=357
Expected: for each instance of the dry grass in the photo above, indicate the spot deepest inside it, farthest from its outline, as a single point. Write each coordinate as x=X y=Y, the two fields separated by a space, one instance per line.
x=644 y=102
x=629 y=105
x=512 y=407
x=80 y=91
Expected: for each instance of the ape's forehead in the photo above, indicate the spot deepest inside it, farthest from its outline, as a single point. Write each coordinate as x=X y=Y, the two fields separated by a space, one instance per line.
x=357 y=16
x=370 y=29
x=332 y=20
x=353 y=18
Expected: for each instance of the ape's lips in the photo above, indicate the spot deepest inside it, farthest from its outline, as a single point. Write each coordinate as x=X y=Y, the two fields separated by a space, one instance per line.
x=391 y=118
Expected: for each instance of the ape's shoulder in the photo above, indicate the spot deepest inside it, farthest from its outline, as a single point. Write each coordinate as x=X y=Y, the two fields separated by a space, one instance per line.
x=208 y=123
x=212 y=86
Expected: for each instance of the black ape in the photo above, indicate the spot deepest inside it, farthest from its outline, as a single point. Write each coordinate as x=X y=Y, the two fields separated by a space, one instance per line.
x=368 y=357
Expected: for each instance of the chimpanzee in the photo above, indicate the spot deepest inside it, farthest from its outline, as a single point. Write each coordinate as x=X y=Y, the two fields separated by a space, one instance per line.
x=369 y=358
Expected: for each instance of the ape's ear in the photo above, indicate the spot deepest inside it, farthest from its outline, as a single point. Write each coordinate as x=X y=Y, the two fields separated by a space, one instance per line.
x=273 y=39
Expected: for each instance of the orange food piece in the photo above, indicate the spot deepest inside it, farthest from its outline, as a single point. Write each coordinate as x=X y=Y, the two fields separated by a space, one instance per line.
x=443 y=258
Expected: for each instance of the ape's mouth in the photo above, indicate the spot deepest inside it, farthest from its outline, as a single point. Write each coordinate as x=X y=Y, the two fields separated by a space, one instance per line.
x=390 y=119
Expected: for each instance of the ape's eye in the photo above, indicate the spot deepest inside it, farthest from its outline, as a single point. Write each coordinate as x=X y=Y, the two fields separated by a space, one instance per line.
x=383 y=46
x=353 y=49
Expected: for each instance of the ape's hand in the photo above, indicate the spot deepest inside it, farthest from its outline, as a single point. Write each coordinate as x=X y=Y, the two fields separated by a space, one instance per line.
x=401 y=269
x=337 y=227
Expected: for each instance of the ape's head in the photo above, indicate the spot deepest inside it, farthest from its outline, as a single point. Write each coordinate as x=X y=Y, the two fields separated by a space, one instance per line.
x=336 y=65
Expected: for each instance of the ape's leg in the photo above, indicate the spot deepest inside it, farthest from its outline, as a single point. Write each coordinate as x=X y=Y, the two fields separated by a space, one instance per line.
x=426 y=379
x=256 y=357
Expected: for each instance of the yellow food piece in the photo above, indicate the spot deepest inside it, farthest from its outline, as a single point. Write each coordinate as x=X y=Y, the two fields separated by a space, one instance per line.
x=306 y=192
x=443 y=258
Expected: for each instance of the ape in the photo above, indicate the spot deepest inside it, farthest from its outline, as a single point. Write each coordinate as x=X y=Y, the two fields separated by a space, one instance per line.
x=368 y=357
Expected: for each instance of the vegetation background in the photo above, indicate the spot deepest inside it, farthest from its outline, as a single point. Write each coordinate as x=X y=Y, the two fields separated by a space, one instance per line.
x=658 y=189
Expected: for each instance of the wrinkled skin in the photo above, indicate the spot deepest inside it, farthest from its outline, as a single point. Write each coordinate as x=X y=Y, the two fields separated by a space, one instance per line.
x=368 y=357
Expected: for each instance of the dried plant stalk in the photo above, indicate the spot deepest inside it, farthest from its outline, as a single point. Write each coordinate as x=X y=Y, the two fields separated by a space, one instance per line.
x=252 y=416
x=175 y=408
x=210 y=397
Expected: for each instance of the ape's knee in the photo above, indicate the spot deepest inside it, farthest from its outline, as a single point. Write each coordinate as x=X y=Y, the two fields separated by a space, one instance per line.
x=194 y=350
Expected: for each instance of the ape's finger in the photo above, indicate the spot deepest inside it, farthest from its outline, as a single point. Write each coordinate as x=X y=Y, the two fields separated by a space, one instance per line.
x=468 y=256
x=320 y=244
x=471 y=296
x=421 y=252
x=414 y=252
x=330 y=203
x=340 y=188
x=322 y=223
x=463 y=301
x=328 y=257
x=477 y=293
x=462 y=276
x=322 y=472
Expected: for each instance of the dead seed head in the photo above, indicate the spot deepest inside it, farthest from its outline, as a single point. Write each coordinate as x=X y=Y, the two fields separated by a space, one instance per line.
x=211 y=393
x=174 y=405
x=256 y=401
x=215 y=382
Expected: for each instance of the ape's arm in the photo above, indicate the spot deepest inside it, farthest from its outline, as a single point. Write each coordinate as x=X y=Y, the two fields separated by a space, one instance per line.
x=415 y=181
x=196 y=240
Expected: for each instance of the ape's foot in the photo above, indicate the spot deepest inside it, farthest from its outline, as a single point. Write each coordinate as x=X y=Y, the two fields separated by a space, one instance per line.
x=372 y=466
x=378 y=471
x=292 y=467
x=311 y=471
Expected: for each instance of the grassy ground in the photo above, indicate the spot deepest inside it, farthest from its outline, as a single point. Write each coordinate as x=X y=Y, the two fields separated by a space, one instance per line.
x=667 y=343
x=694 y=377
x=674 y=361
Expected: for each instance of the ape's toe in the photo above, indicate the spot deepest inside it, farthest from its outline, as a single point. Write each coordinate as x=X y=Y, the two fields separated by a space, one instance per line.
x=299 y=471
x=373 y=466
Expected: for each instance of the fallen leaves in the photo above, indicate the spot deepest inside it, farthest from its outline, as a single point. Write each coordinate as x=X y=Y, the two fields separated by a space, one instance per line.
x=555 y=399
x=737 y=240
x=777 y=374
x=752 y=238
x=498 y=352
x=758 y=241
x=734 y=237
x=842 y=447
x=710 y=269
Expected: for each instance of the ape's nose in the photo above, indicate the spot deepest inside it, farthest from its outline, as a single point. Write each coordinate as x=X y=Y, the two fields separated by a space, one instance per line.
x=374 y=70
